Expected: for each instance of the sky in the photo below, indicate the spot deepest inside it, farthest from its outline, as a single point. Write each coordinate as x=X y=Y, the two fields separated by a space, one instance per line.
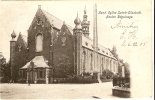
x=18 y=15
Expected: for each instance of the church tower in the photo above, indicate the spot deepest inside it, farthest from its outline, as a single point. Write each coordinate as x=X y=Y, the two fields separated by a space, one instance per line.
x=12 y=54
x=85 y=24
x=77 y=34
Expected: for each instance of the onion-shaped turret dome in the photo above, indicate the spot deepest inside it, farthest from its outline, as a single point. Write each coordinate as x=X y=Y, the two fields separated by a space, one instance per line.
x=13 y=35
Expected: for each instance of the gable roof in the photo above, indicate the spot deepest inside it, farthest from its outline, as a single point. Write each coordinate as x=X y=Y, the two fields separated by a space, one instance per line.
x=39 y=62
x=55 y=22
x=24 y=39
x=70 y=29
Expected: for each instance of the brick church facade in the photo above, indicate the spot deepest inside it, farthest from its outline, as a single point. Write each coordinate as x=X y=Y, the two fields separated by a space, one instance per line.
x=53 y=49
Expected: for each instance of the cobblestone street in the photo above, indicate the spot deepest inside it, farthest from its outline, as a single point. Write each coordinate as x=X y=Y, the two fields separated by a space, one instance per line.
x=56 y=91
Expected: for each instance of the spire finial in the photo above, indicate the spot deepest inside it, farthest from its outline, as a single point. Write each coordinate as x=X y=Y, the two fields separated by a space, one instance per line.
x=85 y=10
x=77 y=22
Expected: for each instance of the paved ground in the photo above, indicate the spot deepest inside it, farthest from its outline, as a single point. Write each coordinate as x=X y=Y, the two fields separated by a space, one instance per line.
x=56 y=91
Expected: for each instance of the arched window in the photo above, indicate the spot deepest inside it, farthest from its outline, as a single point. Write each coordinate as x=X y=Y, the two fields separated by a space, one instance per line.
x=91 y=61
x=97 y=62
x=114 y=66
x=84 y=61
x=110 y=66
x=102 y=64
x=107 y=63
x=39 y=42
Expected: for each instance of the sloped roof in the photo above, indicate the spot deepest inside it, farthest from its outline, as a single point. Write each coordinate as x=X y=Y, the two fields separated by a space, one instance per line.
x=70 y=29
x=53 y=20
x=88 y=43
x=39 y=62
x=1 y=55
x=24 y=39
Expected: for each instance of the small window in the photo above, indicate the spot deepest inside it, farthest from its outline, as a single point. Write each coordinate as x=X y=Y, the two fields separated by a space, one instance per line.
x=86 y=43
x=19 y=47
x=92 y=46
x=23 y=74
x=40 y=73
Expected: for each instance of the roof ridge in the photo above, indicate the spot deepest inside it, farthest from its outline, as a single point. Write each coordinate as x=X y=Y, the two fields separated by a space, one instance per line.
x=52 y=15
x=102 y=46
x=70 y=26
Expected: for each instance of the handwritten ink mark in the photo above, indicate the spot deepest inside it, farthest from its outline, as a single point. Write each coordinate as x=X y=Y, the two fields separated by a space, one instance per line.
x=132 y=34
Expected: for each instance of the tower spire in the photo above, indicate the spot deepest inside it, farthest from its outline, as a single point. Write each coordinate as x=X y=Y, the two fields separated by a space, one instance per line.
x=85 y=24
x=85 y=10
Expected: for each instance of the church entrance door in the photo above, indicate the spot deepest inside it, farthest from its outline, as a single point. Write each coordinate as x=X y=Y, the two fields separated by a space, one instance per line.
x=32 y=76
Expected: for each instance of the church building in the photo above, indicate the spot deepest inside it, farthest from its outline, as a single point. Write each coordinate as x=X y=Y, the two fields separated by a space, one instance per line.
x=53 y=49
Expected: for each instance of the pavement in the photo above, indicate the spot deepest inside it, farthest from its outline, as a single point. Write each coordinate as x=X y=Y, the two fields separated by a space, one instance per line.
x=56 y=91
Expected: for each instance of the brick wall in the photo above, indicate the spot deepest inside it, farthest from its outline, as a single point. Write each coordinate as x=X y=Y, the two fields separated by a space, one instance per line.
x=63 y=53
x=45 y=30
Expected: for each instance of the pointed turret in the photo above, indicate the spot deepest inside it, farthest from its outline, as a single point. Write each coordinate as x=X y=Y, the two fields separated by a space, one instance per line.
x=13 y=35
x=77 y=36
x=85 y=24
x=12 y=54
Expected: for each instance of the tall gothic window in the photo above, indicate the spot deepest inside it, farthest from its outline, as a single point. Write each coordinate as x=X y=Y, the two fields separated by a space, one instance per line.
x=84 y=60
x=91 y=61
x=39 y=42
x=102 y=64
x=97 y=62
x=111 y=65
x=114 y=66
x=107 y=63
